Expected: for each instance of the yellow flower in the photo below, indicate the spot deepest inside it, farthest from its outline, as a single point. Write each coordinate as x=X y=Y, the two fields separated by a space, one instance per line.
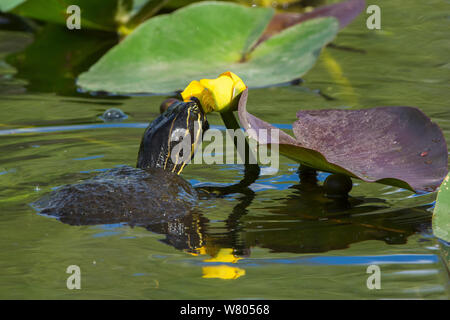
x=219 y=94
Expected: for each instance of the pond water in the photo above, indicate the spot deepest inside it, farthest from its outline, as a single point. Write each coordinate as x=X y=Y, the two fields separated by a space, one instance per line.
x=285 y=241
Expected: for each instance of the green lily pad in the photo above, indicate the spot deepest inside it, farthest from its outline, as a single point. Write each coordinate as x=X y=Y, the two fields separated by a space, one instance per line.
x=7 y=5
x=441 y=215
x=203 y=40
x=99 y=14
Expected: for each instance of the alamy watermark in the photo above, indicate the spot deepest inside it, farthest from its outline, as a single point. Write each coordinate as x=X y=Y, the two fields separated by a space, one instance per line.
x=74 y=280
x=374 y=20
x=226 y=147
x=73 y=21
x=374 y=280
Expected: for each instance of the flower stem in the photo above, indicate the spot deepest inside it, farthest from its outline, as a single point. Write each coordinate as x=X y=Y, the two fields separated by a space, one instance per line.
x=251 y=168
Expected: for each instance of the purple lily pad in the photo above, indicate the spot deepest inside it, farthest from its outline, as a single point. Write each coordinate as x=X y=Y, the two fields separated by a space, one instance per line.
x=345 y=12
x=397 y=146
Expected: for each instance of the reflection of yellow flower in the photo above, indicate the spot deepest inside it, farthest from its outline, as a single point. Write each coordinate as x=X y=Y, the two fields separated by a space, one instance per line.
x=216 y=94
x=222 y=272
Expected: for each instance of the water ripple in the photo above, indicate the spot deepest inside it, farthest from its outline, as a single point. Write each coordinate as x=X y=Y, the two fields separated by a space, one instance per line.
x=139 y=125
x=348 y=260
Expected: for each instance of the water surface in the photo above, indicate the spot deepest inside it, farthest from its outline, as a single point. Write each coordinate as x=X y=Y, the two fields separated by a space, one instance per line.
x=285 y=241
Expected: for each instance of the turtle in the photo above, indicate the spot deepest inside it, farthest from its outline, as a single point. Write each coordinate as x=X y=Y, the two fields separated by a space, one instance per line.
x=151 y=192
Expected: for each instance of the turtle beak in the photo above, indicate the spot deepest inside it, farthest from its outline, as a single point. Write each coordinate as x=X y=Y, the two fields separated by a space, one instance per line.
x=170 y=141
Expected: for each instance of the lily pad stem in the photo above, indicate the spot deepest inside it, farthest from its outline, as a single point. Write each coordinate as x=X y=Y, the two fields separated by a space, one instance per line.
x=252 y=170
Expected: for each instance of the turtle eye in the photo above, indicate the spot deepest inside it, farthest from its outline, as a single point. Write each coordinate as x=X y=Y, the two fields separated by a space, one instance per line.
x=196 y=108
x=195 y=99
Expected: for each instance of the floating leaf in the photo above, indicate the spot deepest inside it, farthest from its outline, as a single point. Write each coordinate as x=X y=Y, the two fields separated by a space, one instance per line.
x=441 y=215
x=99 y=14
x=398 y=146
x=345 y=12
x=201 y=41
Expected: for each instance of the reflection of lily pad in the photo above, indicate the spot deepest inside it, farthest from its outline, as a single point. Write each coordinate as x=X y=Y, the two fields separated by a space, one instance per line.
x=57 y=56
x=201 y=41
x=398 y=146
x=441 y=216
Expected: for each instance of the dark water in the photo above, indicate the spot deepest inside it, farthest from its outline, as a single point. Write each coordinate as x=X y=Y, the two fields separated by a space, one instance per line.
x=285 y=240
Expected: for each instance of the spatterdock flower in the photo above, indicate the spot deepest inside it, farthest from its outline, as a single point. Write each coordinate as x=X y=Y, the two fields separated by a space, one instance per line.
x=221 y=94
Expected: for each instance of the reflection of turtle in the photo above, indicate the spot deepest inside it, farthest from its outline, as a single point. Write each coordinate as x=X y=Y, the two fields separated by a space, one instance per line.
x=152 y=192
x=310 y=222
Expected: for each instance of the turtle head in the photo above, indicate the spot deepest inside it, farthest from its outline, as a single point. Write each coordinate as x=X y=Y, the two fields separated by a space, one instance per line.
x=169 y=142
